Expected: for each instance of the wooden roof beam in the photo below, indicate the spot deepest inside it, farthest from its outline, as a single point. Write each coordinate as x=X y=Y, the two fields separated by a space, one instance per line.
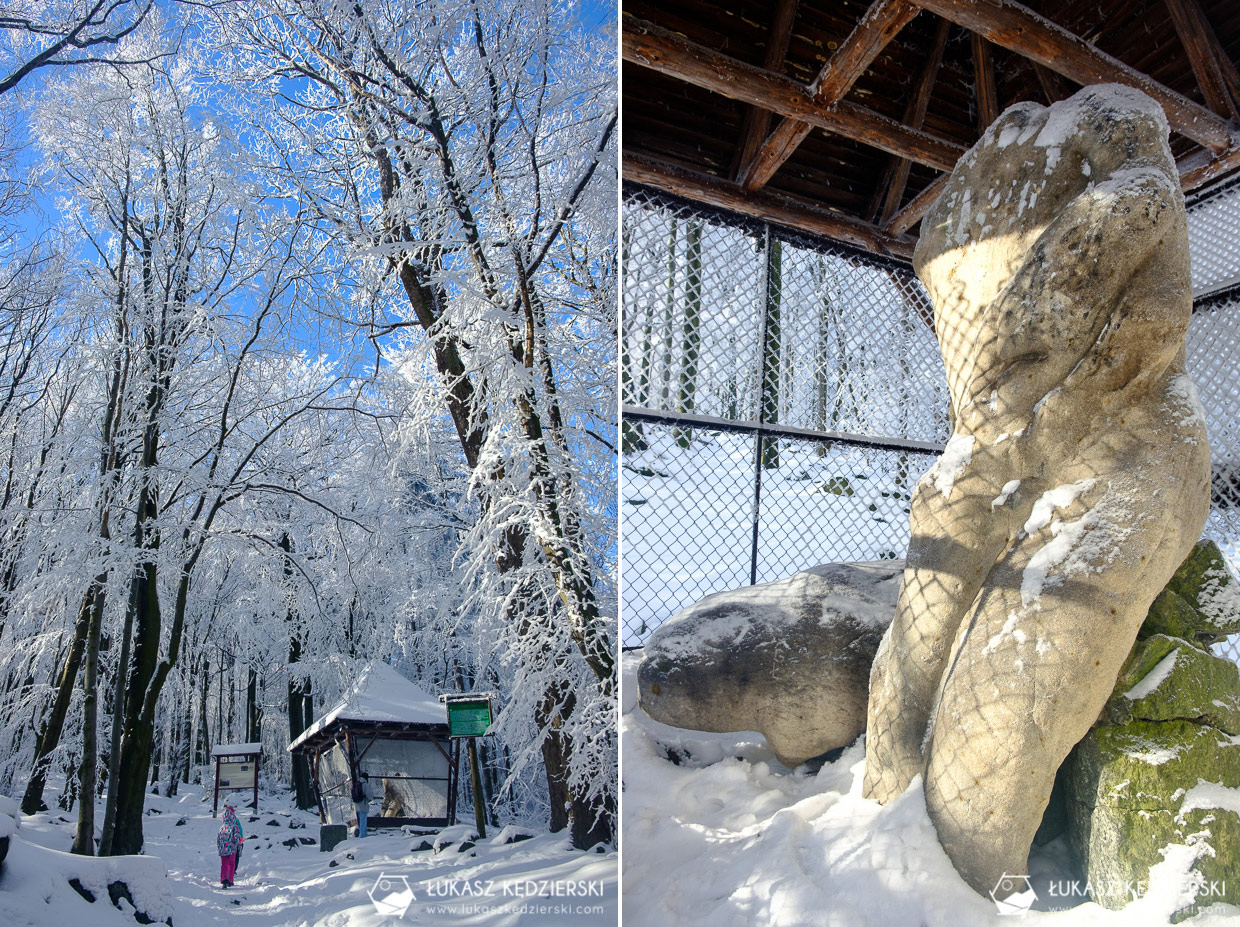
x=647 y=45
x=1202 y=167
x=1205 y=55
x=1195 y=171
x=917 y=207
x=1017 y=28
x=985 y=93
x=787 y=211
x=891 y=187
x=880 y=24
x=757 y=120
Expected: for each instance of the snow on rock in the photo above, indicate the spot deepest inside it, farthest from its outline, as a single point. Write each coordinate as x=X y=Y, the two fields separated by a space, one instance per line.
x=1054 y=553
x=1005 y=493
x=35 y=887
x=1211 y=795
x=1058 y=498
x=956 y=456
x=1154 y=678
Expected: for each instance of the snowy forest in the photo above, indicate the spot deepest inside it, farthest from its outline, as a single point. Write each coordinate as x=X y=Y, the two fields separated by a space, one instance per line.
x=307 y=359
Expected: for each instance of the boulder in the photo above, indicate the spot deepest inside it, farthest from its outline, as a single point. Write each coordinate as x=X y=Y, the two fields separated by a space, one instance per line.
x=1200 y=603
x=1136 y=788
x=1168 y=679
x=1076 y=477
x=789 y=659
x=1163 y=765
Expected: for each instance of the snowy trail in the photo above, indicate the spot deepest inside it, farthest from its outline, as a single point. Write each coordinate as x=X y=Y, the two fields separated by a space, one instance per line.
x=496 y=883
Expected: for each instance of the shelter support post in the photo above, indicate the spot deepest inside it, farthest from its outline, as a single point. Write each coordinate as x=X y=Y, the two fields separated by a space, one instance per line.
x=475 y=777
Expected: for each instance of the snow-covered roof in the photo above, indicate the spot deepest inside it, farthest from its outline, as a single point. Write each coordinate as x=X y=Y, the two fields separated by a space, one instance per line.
x=381 y=694
x=235 y=749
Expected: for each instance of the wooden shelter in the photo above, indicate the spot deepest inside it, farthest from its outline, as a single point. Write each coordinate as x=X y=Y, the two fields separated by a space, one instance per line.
x=393 y=736
x=841 y=118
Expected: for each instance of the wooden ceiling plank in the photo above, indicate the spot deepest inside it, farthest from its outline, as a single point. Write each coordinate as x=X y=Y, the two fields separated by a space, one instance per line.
x=984 y=92
x=1019 y=29
x=895 y=180
x=772 y=207
x=1052 y=84
x=880 y=24
x=648 y=45
x=1204 y=54
x=917 y=207
x=1202 y=167
x=757 y=120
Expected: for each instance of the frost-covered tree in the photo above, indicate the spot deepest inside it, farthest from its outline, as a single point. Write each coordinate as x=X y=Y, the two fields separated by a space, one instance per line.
x=463 y=155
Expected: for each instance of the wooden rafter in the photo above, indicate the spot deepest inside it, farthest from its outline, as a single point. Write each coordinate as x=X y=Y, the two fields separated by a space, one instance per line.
x=1203 y=167
x=764 y=204
x=984 y=91
x=880 y=24
x=1051 y=83
x=917 y=207
x=1020 y=30
x=645 y=44
x=1205 y=56
x=891 y=187
x=757 y=120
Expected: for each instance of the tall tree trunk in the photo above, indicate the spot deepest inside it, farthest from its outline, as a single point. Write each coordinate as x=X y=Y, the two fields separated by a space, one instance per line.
x=772 y=343
x=138 y=735
x=298 y=721
x=84 y=840
x=691 y=339
x=53 y=725
x=669 y=318
x=253 y=711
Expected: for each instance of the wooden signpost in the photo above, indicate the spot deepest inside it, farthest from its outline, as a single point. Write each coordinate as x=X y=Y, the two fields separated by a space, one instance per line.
x=470 y=717
x=236 y=769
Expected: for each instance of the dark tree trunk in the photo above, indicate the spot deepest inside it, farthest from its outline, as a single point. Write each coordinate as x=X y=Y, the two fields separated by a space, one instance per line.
x=300 y=708
x=84 y=840
x=772 y=352
x=138 y=735
x=253 y=711
x=54 y=725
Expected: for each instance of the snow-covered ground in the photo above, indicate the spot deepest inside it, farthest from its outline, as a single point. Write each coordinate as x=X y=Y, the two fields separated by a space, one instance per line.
x=495 y=883
x=717 y=833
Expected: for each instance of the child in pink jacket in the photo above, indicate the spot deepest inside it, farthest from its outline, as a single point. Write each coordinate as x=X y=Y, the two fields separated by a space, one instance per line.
x=228 y=842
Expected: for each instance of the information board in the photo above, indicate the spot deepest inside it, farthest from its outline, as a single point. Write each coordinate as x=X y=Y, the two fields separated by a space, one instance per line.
x=234 y=775
x=469 y=718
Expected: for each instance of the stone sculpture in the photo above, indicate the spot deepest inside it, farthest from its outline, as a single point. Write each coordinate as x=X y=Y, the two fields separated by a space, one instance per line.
x=1076 y=477
x=789 y=659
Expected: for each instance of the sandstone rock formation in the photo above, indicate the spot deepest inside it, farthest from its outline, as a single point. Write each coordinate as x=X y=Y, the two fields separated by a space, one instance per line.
x=1076 y=477
x=789 y=659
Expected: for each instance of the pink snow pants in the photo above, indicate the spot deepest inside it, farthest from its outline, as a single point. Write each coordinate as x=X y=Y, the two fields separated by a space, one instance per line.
x=228 y=867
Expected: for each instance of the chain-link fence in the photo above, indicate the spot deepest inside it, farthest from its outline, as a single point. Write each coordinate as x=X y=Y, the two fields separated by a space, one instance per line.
x=782 y=396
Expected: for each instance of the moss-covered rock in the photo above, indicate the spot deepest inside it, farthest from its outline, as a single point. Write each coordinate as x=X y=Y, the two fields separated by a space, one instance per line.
x=1136 y=788
x=1170 y=614
x=1166 y=770
x=1207 y=586
x=1167 y=678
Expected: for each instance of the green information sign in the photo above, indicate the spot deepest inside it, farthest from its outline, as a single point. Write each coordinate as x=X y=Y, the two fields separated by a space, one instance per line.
x=469 y=718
